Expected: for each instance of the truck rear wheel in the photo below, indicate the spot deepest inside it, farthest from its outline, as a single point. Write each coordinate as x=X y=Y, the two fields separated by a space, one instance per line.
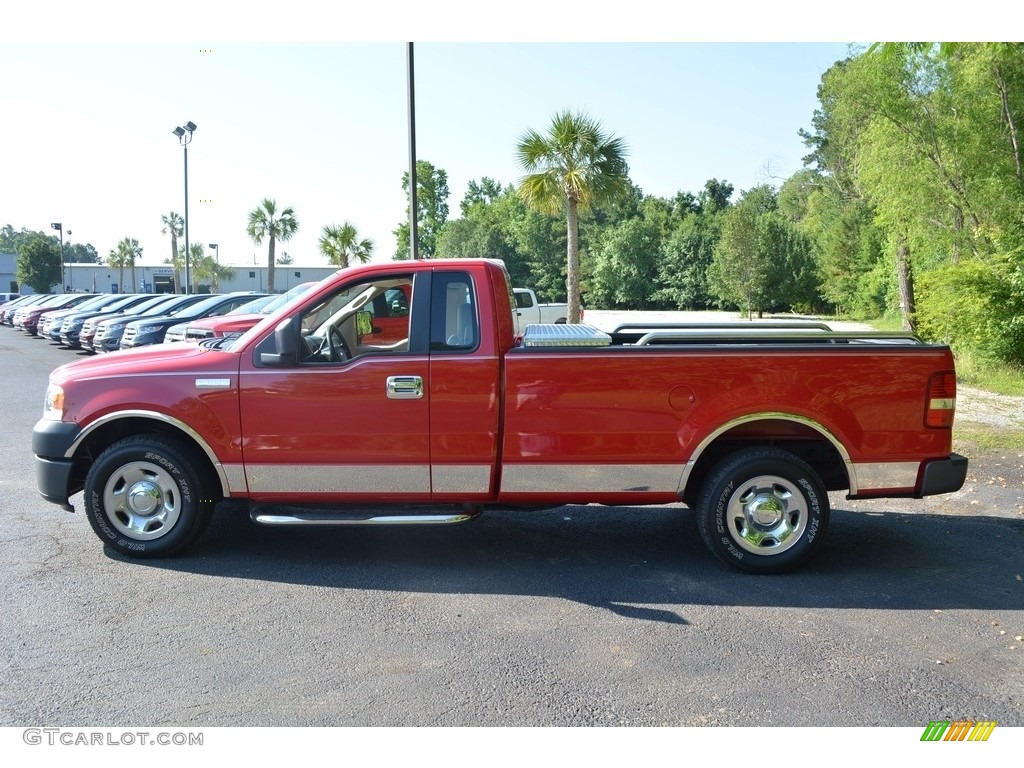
x=145 y=496
x=762 y=510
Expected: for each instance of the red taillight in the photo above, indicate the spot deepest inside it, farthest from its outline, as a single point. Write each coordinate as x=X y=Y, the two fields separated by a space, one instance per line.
x=941 y=402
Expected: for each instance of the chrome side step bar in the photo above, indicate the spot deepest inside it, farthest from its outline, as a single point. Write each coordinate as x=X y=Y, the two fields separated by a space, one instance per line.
x=295 y=516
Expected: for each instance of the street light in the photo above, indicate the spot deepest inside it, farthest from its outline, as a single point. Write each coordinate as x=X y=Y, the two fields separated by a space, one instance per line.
x=60 y=229
x=184 y=135
x=414 y=229
x=216 y=251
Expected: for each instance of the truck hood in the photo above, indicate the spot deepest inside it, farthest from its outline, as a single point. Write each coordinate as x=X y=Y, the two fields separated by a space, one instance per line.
x=154 y=359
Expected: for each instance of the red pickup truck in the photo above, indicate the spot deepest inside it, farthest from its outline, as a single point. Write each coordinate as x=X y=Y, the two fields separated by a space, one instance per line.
x=315 y=421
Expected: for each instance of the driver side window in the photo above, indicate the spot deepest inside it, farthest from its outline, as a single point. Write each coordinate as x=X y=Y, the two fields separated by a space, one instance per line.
x=370 y=317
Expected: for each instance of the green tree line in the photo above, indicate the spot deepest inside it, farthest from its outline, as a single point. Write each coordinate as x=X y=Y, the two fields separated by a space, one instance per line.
x=910 y=204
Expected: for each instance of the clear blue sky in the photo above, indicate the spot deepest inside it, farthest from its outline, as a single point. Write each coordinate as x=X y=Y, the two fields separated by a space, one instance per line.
x=322 y=126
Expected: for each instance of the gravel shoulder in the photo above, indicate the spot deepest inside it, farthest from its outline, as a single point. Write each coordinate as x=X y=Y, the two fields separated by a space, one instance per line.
x=981 y=407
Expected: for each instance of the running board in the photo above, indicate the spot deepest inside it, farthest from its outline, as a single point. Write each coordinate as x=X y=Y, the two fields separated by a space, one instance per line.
x=299 y=516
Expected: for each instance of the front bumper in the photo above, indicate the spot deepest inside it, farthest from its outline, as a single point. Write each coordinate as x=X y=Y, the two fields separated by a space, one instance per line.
x=107 y=344
x=52 y=479
x=51 y=441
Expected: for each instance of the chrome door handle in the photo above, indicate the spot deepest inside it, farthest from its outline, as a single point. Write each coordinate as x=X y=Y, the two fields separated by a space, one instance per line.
x=405 y=387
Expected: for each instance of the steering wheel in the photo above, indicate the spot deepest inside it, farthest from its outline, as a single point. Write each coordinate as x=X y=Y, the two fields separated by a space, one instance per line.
x=337 y=345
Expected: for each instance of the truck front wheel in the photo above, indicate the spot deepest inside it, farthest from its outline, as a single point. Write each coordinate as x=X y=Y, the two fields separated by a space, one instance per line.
x=762 y=510
x=145 y=496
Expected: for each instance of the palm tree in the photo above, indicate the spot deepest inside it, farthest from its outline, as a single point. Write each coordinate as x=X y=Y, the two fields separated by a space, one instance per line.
x=115 y=260
x=124 y=255
x=174 y=225
x=266 y=222
x=197 y=259
x=134 y=253
x=207 y=269
x=341 y=245
x=574 y=165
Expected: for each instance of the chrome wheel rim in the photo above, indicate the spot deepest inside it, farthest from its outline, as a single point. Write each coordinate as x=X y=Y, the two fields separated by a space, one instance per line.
x=766 y=515
x=142 y=501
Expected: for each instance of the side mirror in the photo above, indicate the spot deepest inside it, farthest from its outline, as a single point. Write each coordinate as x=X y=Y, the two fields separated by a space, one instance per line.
x=286 y=344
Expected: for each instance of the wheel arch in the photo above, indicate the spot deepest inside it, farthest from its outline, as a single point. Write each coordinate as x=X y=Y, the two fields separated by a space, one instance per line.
x=110 y=428
x=802 y=436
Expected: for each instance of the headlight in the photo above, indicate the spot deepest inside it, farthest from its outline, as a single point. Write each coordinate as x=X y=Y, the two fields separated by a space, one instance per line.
x=53 y=405
x=114 y=327
x=144 y=329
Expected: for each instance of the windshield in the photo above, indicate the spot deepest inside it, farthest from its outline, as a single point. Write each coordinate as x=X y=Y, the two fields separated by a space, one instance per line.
x=199 y=307
x=253 y=307
x=119 y=303
x=95 y=301
x=156 y=301
x=284 y=298
x=172 y=305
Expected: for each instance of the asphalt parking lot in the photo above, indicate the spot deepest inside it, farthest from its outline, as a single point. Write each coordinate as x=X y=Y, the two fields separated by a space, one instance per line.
x=580 y=616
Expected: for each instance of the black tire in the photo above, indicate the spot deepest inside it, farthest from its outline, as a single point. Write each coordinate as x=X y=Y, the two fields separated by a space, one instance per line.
x=146 y=496
x=762 y=510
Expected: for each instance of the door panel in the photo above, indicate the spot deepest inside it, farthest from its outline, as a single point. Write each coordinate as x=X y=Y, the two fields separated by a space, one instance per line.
x=335 y=433
x=344 y=422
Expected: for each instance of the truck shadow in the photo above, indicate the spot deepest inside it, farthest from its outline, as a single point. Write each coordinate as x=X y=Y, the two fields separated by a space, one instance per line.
x=643 y=563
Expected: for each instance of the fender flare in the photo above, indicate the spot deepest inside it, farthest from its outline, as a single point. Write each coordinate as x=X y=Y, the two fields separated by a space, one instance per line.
x=115 y=416
x=851 y=471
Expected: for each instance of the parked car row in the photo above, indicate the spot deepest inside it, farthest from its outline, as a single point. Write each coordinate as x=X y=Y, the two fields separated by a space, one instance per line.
x=233 y=323
x=111 y=322
x=15 y=312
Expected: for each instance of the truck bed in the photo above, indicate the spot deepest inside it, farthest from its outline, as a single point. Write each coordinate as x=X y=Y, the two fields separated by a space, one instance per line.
x=862 y=428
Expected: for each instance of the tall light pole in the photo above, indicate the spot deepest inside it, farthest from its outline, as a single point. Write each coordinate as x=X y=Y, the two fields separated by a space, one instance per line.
x=60 y=236
x=184 y=134
x=414 y=229
x=63 y=264
x=216 y=251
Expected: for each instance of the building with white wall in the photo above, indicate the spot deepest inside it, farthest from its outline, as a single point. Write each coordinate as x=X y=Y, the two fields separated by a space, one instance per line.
x=8 y=269
x=99 y=278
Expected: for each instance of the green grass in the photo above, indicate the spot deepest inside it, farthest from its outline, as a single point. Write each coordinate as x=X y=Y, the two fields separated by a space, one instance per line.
x=995 y=377
x=889 y=323
x=970 y=438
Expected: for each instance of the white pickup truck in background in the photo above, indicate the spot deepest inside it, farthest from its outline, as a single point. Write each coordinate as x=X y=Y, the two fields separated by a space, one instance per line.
x=528 y=310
